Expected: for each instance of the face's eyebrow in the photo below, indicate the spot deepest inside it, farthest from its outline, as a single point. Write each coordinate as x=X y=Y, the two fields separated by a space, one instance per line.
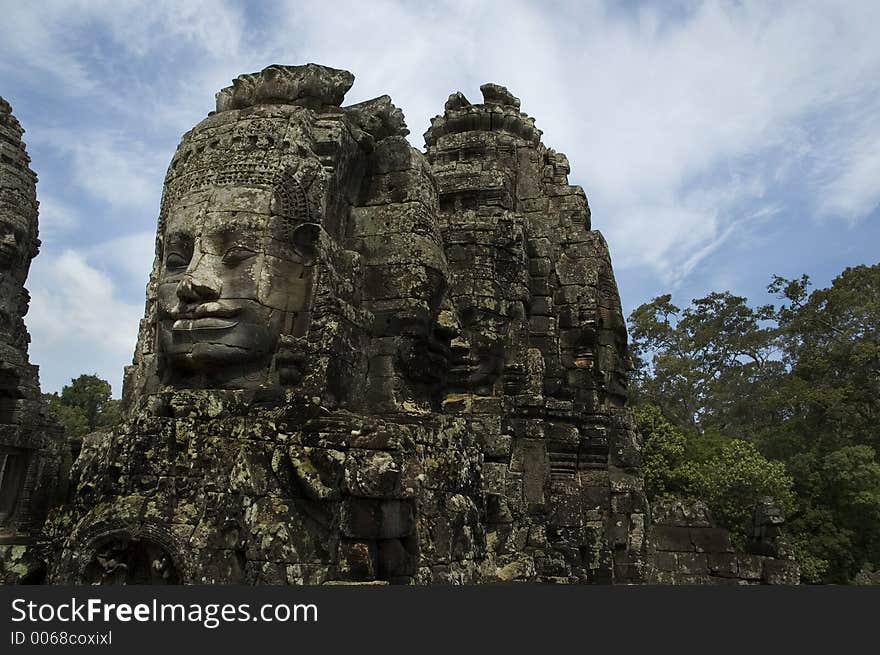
x=222 y=231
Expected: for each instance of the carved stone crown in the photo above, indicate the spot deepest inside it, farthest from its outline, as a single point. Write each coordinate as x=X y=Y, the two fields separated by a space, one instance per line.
x=310 y=86
x=499 y=112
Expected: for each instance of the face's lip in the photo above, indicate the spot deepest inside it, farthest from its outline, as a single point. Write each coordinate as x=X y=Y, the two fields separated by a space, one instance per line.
x=205 y=310
x=206 y=323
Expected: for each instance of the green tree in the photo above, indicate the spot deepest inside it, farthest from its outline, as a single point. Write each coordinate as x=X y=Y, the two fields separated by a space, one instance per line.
x=831 y=342
x=74 y=419
x=663 y=454
x=734 y=478
x=85 y=405
x=829 y=404
x=90 y=394
x=798 y=384
x=730 y=475
x=702 y=365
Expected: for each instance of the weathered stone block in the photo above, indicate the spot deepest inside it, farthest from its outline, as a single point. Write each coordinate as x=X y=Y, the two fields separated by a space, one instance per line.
x=724 y=565
x=357 y=560
x=751 y=567
x=695 y=564
x=376 y=519
x=672 y=538
x=373 y=474
x=665 y=561
x=711 y=540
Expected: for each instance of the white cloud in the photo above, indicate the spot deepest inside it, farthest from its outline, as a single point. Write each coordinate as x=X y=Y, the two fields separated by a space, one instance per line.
x=646 y=106
x=77 y=321
x=144 y=28
x=855 y=191
x=130 y=256
x=56 y=216
x=47 y=38
x=111 y=166
x=846 y=166
x=34 y=40
x=705 y=102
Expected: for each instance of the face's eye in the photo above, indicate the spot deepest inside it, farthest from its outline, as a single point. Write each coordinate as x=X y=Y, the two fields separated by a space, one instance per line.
x=237 y=254
x=175 y=261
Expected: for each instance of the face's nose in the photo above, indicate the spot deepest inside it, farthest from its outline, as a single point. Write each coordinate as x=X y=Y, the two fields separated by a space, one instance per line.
x=191 y=290
x=199 y=283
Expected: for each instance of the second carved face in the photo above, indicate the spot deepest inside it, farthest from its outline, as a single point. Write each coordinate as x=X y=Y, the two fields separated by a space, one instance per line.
x=13 y=240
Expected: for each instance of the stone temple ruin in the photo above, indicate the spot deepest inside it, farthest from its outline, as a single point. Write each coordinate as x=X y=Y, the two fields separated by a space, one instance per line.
x=31 y=443
x=361 y=363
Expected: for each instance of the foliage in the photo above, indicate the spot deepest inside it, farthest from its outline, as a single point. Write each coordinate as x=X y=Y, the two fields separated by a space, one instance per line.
x=700 y=364
x=74 y=419
x=798 y=384
x=734 y=479
x=84 y=405
x=730 y=475
x=663 y=453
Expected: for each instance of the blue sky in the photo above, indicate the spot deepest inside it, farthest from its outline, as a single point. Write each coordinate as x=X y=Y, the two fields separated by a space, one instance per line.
x=719 y=143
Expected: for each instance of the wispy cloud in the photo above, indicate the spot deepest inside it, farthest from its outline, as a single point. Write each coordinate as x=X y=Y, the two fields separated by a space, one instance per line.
x=56 y=217
x=846 y=170
x=111 y=166
x=77 y=319
x=647 y=103
x=36 y=45
x=128 y=258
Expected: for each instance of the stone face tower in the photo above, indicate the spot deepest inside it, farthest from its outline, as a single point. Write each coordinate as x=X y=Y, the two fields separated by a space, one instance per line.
x=539 y=367
x=282 y=408
x=31 y=445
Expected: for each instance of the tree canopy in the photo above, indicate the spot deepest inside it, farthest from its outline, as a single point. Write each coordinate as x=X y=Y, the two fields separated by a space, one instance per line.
x=84 y=405
x=736 y=400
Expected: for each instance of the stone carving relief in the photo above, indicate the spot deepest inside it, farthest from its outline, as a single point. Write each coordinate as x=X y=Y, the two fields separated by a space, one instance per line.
x=131 y=561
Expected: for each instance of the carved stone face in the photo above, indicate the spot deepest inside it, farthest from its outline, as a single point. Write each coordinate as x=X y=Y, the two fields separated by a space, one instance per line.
x=486 y=332
x=13 y=239
x=423 y=350
x=423 y=347
x=231 y=282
